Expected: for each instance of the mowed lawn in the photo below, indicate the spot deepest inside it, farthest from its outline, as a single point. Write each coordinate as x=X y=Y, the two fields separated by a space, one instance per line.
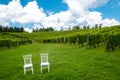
x=67 y=62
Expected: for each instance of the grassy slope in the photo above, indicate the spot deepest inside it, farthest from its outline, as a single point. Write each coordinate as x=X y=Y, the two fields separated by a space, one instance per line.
x=57 y=34
x=41 y=35
x=66 y=61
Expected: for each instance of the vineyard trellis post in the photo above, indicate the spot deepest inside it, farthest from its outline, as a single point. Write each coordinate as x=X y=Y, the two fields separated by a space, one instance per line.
x=87 y=41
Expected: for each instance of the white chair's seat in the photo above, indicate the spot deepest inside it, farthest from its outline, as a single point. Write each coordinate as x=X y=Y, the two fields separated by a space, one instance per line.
x=44 y=64
x=28 y=65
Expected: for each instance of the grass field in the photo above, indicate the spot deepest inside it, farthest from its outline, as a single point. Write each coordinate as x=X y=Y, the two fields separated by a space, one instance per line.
x=66 y=63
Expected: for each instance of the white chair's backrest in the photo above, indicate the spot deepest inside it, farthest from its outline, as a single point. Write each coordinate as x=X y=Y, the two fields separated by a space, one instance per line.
x=27 y=59
x=44 y=57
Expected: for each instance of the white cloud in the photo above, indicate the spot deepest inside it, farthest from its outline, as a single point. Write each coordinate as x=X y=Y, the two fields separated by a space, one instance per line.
x=108 y=22
x=62 y=19
x=3 y=19
x=77 y=14
x=80 y=11
x=32 y=13
x=91 y=18
x=3 y=23
x=14 y=12
x=28 y=30
x=86 y=4
x=37 y=26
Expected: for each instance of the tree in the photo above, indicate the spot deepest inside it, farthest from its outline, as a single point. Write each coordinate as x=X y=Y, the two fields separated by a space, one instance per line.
x=0 y=28
x=76 y=28
x=100 y=26
x=96 y=25
x=50 y=29
x=88 y=27
x=22 y=29
x=84 y=27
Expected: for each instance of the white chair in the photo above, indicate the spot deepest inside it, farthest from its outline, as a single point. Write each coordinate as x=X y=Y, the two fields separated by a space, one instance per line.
x=44 y=61
x=28 y=63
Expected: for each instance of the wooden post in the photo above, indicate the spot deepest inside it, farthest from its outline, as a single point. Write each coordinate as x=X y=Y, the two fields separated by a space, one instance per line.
x=78 y=42
x=64 y=40
x=88 y=40
x=108 y=43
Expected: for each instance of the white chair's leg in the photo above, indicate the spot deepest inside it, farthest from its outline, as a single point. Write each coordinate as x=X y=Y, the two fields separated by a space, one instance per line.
x=41 y=68
x=32 y=70
x=24 y=70
x=48 y=68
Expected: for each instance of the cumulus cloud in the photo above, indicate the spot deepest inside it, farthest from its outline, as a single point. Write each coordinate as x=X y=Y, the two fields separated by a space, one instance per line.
x=108 y=22
x=28 y=30
x=14 y=12
x=32 y=13
x=91 y=18
x=58 y=20
x=37 y=26
x=76 y=4
x=3 y=19
x=78 y=13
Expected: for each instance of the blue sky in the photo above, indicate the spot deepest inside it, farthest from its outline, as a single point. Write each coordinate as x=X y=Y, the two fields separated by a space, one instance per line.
x=48 y=5
x=59 y=13
x=110 y=10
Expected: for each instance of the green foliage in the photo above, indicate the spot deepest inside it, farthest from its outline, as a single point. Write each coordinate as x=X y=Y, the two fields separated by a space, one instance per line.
x=43 y=29
x=95 y=39
x=76 y=28
x=82 y=39
x=13 y=43
x=10 y=29
x=113 y=41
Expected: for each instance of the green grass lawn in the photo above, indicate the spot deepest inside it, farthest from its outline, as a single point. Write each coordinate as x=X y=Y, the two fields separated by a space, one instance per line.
x=67 y=62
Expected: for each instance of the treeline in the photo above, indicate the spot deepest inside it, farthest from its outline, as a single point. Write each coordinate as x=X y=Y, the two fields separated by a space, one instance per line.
x=73 y=28
x=11 y=29
x=43 y=29
x=85 y=27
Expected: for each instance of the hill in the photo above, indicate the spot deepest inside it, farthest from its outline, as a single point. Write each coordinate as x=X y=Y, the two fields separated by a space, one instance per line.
x=109 y=36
